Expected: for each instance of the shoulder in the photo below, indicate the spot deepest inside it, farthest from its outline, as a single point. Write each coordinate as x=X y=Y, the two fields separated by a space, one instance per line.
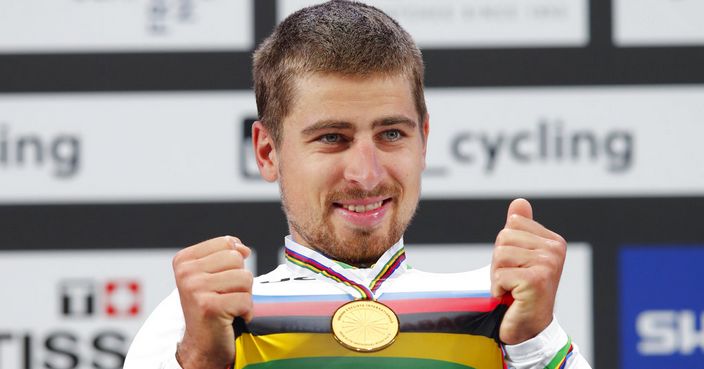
x=155 y=343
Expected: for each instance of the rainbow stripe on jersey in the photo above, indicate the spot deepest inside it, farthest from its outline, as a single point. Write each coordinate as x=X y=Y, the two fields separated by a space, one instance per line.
x=456 y=329
x=445 y=321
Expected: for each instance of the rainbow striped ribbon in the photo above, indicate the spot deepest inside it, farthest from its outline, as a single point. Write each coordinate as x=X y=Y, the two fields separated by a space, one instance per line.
x=390 y=262
x=562 y=356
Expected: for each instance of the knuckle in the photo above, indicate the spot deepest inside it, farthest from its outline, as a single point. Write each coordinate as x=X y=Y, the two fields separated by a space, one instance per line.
x=207 y=305
x=230 y=240
x=496 y=275
x=499 y=254
x=243 y=305
x=503 y=237
x=560 y=242
x=248 y=278
x=204 y=306
x=544 y=257
x=197 y=282
x=178 y=259
x=247 y=305
x=555 y=263
x=181 y=272
x=192 y=284
x=184 y=285
x=235 y=258
x=539 y=278
x=559 y=247
x=549 y=262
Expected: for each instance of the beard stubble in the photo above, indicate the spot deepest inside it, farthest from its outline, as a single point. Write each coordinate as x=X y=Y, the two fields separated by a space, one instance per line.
x=365 y=247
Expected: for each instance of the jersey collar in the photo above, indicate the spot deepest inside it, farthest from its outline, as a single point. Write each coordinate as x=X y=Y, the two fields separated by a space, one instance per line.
x=361 y=283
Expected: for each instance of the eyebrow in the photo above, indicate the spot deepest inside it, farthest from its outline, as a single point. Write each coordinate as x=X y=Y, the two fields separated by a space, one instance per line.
x=325 y=124
x=339 y=124
x=392 y=121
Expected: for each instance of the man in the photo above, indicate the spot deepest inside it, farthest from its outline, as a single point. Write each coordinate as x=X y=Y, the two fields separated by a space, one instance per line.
x=343 y=129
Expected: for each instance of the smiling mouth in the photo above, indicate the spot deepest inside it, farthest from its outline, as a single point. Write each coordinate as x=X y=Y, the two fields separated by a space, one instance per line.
x=363 y=208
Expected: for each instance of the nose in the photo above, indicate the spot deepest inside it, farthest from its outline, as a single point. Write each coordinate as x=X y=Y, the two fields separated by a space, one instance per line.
x=362 y=165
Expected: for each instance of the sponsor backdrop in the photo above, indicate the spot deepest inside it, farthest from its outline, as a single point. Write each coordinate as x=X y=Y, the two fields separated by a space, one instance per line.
x=125 y=136
x=661 y=319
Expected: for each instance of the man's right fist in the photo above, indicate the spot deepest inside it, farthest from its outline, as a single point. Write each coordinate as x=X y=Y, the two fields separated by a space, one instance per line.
x=214 y=288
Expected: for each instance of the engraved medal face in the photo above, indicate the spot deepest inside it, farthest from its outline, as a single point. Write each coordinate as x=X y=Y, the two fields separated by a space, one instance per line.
x=365 y=325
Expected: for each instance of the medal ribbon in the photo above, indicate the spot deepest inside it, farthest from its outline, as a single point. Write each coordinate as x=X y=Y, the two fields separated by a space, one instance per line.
x=325 y=267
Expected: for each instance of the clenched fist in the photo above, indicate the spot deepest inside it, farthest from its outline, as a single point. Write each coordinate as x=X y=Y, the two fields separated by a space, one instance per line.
x=214 y=288
x=527 y=263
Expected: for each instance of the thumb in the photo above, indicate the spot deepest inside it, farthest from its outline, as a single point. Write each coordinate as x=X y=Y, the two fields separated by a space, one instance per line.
x=520 y=207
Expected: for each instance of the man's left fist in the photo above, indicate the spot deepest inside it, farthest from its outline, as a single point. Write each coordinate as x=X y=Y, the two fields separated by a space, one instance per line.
x=527 y=263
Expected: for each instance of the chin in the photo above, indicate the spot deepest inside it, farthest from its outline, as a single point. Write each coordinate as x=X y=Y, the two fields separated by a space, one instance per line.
x=363 y=247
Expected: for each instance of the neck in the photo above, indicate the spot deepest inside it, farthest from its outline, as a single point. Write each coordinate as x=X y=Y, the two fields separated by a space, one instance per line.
x=357 y=261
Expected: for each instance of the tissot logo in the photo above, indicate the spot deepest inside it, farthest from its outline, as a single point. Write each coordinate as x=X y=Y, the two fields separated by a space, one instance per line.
x=122 y=298
x=77 y=297
x=113 y=298
x=23 y=150
x=103 y=348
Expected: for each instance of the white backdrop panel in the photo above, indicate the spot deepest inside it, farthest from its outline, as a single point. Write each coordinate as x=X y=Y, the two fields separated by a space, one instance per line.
x=49 y=26
x=658 y=22
x=482 y=23
x=565 y=141
x=484 y=142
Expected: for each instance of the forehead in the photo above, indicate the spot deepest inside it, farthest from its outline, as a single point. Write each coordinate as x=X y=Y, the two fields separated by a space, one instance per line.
x=320 y=96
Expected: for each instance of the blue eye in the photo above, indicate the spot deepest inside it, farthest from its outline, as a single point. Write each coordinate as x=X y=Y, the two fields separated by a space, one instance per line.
x=330 y=138
x=392 y=135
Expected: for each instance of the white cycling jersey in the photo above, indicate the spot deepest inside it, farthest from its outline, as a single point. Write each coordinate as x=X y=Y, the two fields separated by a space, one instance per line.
x=446 y=320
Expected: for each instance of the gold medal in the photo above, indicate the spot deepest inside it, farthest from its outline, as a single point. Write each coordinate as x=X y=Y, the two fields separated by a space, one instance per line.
x=365 y=325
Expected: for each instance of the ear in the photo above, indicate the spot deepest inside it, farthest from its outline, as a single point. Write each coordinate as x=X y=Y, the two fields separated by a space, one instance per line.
x=426 y=131
x=265 y=152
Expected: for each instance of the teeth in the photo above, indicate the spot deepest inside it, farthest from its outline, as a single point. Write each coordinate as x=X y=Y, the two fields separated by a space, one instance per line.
x=363 y=208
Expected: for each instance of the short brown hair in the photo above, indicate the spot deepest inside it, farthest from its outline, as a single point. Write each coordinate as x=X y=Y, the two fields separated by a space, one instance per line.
x=338 y=36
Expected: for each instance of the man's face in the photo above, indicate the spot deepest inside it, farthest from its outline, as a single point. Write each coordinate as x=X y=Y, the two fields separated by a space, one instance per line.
x=349 y=164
